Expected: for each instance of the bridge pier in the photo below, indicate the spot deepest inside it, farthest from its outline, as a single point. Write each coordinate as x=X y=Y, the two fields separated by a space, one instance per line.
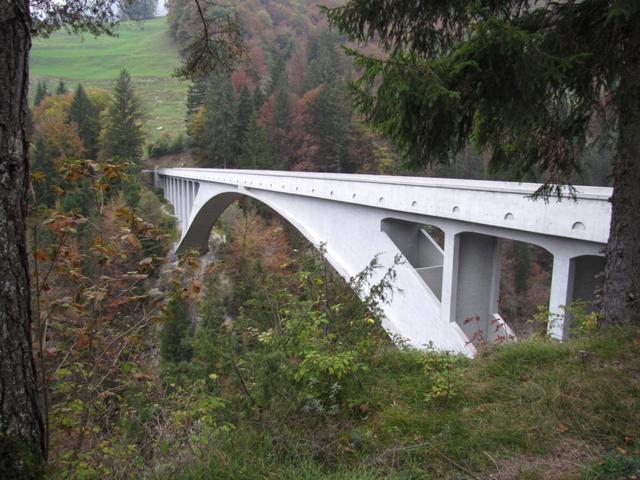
x=477 y=285
x=561 y=295
x=573 y=278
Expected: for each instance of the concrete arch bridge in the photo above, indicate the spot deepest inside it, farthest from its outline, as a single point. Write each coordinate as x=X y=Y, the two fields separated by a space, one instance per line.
x=357 y=217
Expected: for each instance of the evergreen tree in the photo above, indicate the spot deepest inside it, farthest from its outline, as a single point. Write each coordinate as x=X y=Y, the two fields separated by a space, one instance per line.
x=41 y=92
x=218 y=145
x=255 y=151
x=61 y=89
x=245 y=112
x=281 y=124
x=325 y=64
x=87 y=118
x=278 y=74
x=42 y=168
x=258 y=98
x=123 y=135
x=523 y=81
x=79 y=196
x=331 y=119
x=196 y=93
x=174 y=347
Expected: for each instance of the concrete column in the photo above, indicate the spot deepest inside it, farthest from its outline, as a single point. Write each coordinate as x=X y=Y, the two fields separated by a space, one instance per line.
x=588 y=280
x=174 y=196
x=156 y=178
x=189 y=198
x=561 y=294
x=496 y=271
x=449 y=276
x=171 y=199
x=185 y=206
x=478 y=284
x=192 y=196
x=181 y=201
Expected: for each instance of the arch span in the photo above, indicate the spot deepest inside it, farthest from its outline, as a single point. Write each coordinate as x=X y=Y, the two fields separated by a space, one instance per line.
x=351 y=238
x=204 y=218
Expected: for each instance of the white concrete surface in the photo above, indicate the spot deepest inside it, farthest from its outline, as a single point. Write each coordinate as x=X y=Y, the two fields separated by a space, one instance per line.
x=359 y=216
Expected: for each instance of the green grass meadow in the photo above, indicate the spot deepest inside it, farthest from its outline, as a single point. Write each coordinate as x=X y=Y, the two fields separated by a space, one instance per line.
x=144 y=49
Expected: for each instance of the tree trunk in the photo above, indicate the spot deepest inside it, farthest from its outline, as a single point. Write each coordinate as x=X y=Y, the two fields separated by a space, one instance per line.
x=622 y=272
x=22 y=435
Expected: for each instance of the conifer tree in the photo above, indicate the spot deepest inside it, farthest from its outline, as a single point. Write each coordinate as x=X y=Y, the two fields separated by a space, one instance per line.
x=87 y=118
x=278 y=73
x=173 y=340
x=218 y=145
x=123 y=135
x=281 y=124
x=523 y=81
x=258 y=98
x=43 y=169
x=245 y=112
x=331 y=119
x=325 y=64
x=255 y=151
x=196 y=93
x=61 y=89
x=41 y=92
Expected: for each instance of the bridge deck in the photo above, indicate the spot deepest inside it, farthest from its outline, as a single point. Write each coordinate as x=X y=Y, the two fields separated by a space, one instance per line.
x=500 y=204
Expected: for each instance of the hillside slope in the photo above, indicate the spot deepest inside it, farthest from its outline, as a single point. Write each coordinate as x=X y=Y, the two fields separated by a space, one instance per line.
x=144 y=49
x=533 y=410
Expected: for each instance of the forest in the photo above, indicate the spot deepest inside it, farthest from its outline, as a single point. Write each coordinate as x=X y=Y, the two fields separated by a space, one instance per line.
x=257 y=360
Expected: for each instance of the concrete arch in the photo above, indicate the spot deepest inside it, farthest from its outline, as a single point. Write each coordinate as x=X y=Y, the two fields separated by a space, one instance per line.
x=205 y=217
x=349 y=249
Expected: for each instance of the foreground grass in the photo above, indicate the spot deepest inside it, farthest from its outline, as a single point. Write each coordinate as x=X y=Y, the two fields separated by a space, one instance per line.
x=531 y=410
x=144 y=49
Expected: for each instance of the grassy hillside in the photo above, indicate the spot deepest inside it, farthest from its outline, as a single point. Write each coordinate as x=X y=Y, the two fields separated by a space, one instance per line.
x=144 y=49
x=532 y=410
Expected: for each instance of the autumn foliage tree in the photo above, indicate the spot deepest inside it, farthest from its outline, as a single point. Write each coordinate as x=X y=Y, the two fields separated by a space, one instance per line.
x=23 y=445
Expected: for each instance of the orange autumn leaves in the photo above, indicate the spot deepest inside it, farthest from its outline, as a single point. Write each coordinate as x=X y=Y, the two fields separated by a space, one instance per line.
x=264 y=242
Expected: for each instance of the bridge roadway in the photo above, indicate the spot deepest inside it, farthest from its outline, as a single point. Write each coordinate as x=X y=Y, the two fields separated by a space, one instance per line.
x=447 y=292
